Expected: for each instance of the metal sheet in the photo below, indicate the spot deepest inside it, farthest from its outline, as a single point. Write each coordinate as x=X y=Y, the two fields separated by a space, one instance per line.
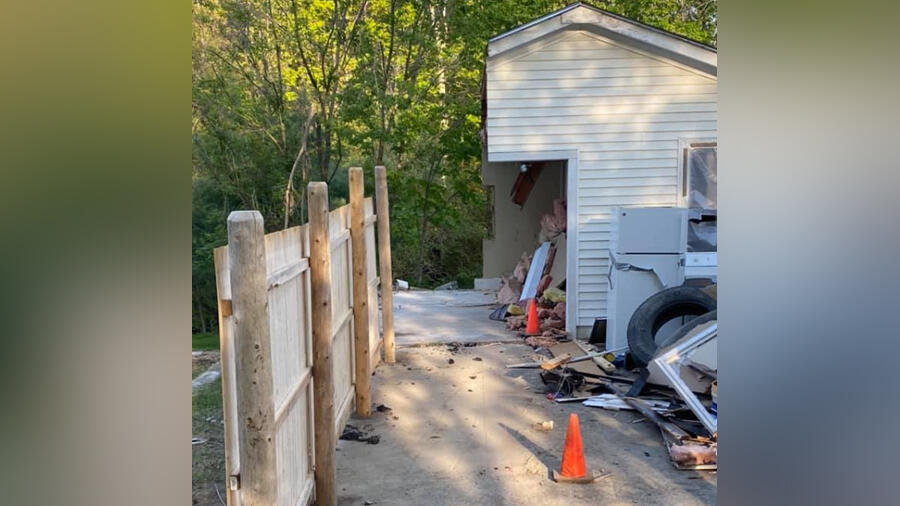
x=534 y=272
x=644 y=230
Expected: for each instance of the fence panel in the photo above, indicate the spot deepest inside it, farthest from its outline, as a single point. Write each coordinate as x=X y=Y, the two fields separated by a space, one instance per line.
x=342 y=313
x=287 y=266
x=289 y=315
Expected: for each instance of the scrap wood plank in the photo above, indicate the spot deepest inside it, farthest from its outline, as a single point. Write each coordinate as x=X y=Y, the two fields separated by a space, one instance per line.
x=525 y=182
x=535 y=365
x=573 y=349
x=556 y=362
x=601 y=362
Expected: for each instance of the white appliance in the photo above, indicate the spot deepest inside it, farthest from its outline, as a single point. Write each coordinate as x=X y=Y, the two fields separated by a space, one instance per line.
x=646 y=255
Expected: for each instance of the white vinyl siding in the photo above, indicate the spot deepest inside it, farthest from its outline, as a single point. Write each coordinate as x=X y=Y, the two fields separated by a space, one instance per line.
x=623 y=111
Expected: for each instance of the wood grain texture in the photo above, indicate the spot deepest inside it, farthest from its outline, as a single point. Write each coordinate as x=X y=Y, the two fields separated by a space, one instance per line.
x=256 y=410
x=323 y=376
x=384 y=259
x=229 y=385
x=360 y=291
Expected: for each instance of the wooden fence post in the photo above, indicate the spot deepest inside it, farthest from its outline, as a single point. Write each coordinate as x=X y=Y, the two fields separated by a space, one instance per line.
x=256 y=408
x=323 y=375
x=226 y=349
x=384 y=260
x=360 y=291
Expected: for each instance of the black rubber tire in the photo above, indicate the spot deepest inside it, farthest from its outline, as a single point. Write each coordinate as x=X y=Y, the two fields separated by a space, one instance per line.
x=689 y=326
x=658 y=309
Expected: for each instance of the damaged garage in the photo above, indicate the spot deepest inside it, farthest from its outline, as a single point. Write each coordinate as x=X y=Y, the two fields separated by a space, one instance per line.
x=599 y=153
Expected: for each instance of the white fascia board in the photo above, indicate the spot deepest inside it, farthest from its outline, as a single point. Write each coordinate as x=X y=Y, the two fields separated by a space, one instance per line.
x=589 y=18
x=531 y=156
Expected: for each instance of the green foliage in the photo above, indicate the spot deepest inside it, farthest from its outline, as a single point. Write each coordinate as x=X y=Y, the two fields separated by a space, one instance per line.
x=205 y=341
x=209 y=207
x=208 y=400
x=290 y=91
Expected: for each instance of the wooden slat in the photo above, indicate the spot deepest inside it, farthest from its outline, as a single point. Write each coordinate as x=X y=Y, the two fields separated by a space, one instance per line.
x=229 y=389
x=292 y=397
x=376 y=355
x=339 y=239
x=342 y=322
x=287 y=273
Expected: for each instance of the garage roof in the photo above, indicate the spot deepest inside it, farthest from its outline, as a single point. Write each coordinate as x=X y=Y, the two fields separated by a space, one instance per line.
x=582 y=16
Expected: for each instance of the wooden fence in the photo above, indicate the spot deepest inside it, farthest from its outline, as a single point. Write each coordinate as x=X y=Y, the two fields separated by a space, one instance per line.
x=298 y=325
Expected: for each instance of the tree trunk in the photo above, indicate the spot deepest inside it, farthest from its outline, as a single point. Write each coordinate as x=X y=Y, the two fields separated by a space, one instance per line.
x=326 y=155
x=320 y=151
x=289 y=188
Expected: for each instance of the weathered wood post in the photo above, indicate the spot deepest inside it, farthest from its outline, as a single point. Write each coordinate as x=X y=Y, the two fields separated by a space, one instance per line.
x=384 y=260
x=322 y=369
x=255 y=405
x=226 y=349
x=360 y=291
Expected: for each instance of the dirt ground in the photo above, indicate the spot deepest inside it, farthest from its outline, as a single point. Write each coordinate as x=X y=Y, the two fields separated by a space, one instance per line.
x=201 y=361
x=208 y=456
x=462 y=433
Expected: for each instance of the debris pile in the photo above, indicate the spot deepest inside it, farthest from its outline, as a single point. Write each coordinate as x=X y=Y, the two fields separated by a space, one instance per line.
x=551 y=264
x=539 y=277
x=354 y=433
x=676 y=390
x=672 y=385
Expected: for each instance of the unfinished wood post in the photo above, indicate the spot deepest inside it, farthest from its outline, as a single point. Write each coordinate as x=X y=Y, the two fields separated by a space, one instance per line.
x=255 y=405
x=226 y=349
x=384 y=261
x=322 y=371
x=360 y=291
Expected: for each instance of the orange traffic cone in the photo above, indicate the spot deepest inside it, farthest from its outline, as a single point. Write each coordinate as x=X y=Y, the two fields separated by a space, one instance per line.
x=573 y=469
x=532 y=328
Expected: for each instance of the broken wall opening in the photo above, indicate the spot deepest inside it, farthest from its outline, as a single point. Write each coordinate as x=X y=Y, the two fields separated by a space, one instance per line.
x=517 y=228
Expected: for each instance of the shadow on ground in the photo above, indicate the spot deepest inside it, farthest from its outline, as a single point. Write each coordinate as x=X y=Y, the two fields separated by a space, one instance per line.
x=461 y=433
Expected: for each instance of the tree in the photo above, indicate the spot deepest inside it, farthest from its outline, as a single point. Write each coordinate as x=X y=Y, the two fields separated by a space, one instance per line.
x=287 y=91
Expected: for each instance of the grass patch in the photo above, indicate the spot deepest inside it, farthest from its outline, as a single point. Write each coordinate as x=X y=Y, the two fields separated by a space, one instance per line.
x=205 y=341
x=208 y=400
x=208 y=458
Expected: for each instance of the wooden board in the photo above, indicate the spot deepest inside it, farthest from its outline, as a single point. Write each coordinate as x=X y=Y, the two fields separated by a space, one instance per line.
x=343 y=359
x=585 y=366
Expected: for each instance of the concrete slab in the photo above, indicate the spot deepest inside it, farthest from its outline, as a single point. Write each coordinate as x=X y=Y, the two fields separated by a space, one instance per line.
x=462 y=433
x=428 y=317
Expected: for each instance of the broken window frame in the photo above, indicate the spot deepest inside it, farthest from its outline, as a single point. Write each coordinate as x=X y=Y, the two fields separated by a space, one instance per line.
x=669 y=361
x=684 y=148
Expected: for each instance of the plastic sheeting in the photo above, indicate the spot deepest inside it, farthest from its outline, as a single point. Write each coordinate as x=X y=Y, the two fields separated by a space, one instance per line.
x=703 y=177
x=702 y=231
